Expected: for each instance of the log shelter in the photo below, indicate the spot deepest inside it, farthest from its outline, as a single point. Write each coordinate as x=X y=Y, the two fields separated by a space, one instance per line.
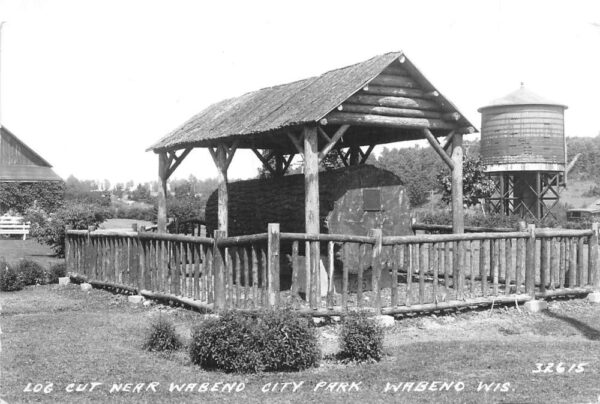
x=347 y=111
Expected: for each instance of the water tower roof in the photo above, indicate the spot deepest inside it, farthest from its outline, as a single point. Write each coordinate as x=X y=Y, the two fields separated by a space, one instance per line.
x=522 y=96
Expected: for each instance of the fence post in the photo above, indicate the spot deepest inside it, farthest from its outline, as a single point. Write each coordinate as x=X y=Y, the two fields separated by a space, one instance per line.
x=219 y=271
x=273 y=269
x=86 y=248
x=142 y=254
x=530 y=262
x=376 y=265
x=68 y=248
x=593 y=258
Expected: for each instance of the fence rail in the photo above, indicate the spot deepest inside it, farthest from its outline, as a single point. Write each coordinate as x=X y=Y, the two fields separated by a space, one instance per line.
x=332 y=273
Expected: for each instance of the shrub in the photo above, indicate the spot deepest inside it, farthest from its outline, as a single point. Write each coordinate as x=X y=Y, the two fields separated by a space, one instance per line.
x=57 y=271
x=473 y=219
x=267 y=341
x=50 y=228
x=361 y=338
x=161 y=336
x=22 y=195
x=9 y=278
x=31 y=273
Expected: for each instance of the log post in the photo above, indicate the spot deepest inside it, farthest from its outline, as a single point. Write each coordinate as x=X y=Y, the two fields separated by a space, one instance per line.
x=221 y=163
x=458 y=223
x=162 y=192
x=279 y=165
x=219 y=271
x=354 y=155
x=593 y=258
x=273 y=271
x=530 y=262
x=311 y=199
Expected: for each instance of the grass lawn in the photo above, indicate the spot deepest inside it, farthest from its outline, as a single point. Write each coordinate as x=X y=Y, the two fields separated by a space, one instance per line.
x=13 y=249
x=53 y=336
x=123 y=224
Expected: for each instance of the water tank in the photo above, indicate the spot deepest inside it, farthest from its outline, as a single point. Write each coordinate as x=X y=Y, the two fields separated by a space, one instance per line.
x=523 y=132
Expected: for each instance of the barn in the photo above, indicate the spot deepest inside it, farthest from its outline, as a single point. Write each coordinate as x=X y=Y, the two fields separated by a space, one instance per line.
x=20 y=163
x=25 y=176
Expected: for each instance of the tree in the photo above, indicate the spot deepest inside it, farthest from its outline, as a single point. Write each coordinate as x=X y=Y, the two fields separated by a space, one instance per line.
x=119 y=190
x=141 y=194
x=330 y=162
x=476 y=184
x=416 y=166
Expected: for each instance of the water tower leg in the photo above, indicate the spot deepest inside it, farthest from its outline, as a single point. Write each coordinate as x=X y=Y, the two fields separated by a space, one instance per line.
x=538 y=197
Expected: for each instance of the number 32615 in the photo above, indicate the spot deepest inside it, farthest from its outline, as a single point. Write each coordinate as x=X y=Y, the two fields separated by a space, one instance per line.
x=559 y=367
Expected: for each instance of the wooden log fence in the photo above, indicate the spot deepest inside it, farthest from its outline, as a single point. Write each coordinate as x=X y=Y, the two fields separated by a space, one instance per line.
x=386 y=274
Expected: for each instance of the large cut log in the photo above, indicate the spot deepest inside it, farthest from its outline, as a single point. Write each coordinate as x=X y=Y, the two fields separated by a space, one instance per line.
x=394 y=102
x=253 y=204
x=345 y=118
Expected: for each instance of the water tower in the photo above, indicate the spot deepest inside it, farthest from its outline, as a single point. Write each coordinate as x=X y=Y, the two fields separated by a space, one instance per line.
x=523 y=148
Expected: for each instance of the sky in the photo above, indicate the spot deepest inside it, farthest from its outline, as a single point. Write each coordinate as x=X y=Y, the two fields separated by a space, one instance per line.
x=90 y=85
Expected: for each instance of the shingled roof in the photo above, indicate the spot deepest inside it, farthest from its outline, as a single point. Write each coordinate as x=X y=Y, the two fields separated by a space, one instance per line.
x=20 y=163
x=521 y=96
x=294 y=104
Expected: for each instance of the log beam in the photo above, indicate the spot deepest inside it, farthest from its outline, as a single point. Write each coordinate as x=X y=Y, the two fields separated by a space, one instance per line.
x=297 y=144
x=341 y=118
x=343 y=157
x=288 y=162
x=395 y=71
x=451 y=116
x=365 y=155
x=448 y=140
x=332 y=141
x=438 y=148
x=264 y=160
x=174 y=160
x=389 y=111
x=394 y=81
x=393 y=102
x=393 y=91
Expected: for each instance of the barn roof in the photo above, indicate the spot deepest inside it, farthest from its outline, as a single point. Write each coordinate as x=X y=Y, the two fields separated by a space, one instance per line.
x=307 y=101
x=20 y=163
